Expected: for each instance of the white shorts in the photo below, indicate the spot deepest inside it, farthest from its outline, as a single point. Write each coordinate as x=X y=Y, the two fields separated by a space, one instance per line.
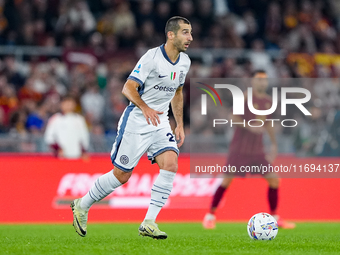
x=130 y=147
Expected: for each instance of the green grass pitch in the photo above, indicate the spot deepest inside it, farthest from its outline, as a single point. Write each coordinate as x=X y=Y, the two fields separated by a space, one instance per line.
x=183 y=238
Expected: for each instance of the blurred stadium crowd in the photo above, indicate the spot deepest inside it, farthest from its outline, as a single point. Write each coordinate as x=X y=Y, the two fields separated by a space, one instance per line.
x=102 y=40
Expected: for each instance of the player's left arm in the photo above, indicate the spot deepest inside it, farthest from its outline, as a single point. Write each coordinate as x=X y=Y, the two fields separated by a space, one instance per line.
x=273 y=149
x=177 y=110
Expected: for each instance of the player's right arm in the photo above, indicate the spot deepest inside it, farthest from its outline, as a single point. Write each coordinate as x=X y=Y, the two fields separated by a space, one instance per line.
x=137 y=80
x=131 y=93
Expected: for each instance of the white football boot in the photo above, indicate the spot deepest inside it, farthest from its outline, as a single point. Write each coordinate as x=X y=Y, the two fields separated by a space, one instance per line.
x=150 y=228
x=79 y=218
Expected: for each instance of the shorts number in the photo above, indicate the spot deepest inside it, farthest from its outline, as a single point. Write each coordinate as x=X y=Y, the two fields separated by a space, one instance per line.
x=171 y=139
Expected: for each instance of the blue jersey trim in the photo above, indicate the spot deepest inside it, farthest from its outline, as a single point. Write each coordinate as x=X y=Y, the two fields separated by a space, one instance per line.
x=166 y=56
x=181 y=85
x=141 y=89
x=141 y=84
x=136 y=80
x=123 y=168
x=121 y=131
x=152 y=158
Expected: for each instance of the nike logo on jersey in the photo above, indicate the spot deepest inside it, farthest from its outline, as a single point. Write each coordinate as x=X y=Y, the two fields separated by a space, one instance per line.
x=162 y=76
x=164 y=197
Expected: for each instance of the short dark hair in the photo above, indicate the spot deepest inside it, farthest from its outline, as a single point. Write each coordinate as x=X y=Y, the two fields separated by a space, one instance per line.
x=68 y=97
x=258 y=71
x=173 y=24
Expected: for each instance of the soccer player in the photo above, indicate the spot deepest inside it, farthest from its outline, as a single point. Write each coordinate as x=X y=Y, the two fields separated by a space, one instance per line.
x=157 y=80
x=246 y=149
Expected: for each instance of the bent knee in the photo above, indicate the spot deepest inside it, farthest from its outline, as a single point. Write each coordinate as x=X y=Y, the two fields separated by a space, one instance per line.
x=171 y=167
x=122 y=176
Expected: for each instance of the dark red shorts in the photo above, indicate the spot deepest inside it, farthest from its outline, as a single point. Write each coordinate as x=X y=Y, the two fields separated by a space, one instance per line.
x=248 y=164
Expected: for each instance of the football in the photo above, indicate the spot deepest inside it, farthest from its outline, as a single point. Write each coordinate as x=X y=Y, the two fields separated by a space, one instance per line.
x=262 y=226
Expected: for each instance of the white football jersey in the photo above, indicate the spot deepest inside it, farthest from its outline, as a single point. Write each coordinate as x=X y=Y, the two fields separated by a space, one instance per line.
x=158 y=78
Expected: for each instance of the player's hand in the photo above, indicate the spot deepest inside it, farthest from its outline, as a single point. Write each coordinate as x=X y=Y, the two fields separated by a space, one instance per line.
x=272 y=154
x=151 y=116
x=179 y=133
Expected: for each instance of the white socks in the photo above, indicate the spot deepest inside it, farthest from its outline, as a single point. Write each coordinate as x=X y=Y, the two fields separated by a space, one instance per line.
x=107 y=183
x=102 y=187
x=160 y=192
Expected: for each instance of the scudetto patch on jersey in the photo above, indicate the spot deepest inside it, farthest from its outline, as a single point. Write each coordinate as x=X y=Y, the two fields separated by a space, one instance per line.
x=173 y=75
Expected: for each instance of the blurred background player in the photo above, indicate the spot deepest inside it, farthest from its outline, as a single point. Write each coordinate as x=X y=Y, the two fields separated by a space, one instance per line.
x=156 y=80
x=246 y=149
x=66 y=132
